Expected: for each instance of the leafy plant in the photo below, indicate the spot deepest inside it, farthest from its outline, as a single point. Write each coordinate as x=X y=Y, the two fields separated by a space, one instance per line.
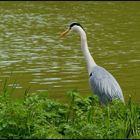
x=40 y=117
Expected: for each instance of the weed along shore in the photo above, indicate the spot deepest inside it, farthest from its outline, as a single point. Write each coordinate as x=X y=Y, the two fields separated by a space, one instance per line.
x=39 y=117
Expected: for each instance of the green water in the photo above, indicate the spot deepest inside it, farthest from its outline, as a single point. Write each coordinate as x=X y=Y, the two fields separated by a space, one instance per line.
x=33 y=55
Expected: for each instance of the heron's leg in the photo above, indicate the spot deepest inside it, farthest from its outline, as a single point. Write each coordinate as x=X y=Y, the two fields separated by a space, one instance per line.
x=101 y=104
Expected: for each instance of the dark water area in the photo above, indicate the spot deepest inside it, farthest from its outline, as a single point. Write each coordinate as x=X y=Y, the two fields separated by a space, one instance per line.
x=32 y=54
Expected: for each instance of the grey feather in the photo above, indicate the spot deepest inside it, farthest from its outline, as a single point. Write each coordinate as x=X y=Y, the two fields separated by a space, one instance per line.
x=104 y=85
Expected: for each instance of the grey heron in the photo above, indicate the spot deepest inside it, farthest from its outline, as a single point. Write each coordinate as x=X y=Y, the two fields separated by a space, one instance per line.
x=102 y=83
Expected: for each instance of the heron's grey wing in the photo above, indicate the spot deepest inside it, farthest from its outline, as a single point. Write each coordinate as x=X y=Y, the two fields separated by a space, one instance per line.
x=104 y=85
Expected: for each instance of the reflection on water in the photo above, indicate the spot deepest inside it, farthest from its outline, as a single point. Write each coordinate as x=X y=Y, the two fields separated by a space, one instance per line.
x=33 y=55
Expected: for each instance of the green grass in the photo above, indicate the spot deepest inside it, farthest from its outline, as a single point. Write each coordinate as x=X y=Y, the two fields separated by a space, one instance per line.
x=39 y=117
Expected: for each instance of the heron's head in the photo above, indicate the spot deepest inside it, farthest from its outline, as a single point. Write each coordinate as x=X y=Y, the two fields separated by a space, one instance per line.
x=74 y=26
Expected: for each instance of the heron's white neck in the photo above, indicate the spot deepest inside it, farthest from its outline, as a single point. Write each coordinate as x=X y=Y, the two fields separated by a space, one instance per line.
x=89 y=59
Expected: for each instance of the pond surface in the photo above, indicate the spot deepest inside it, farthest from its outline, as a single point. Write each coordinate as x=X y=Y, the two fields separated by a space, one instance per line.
x=32 y=54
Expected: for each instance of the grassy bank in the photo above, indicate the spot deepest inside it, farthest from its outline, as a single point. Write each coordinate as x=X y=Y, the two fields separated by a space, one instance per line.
x=40 y=117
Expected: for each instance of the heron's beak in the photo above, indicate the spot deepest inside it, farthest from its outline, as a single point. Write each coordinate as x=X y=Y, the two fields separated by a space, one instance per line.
x=65 y=33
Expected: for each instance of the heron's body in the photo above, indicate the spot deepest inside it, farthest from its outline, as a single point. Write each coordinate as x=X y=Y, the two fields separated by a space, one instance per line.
x=102 y=83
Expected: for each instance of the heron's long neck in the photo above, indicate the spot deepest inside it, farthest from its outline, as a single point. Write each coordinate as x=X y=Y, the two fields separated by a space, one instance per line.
x=89 y=59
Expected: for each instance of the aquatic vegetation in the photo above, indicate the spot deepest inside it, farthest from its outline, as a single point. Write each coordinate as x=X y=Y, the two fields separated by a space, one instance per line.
x=40 y=117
